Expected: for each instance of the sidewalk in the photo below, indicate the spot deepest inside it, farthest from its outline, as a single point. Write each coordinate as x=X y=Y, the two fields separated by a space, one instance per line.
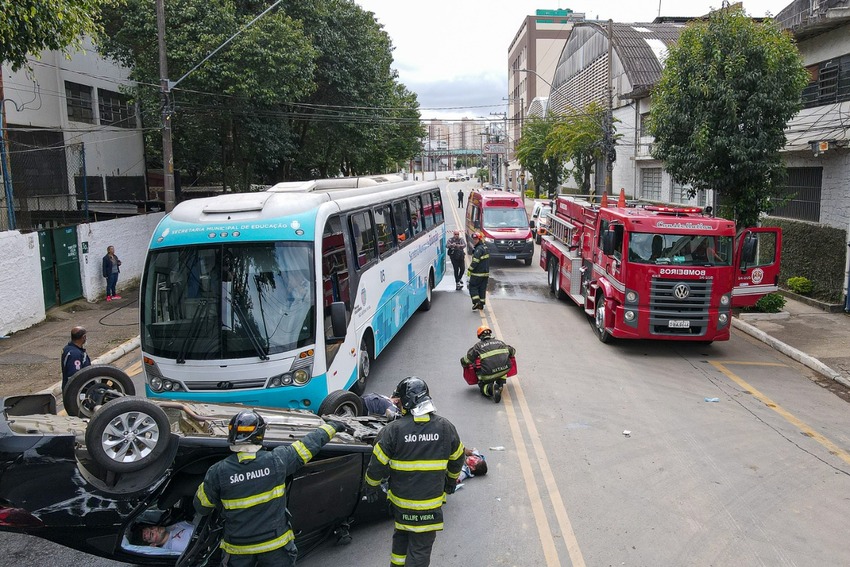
x=30 y=359
x=809 y=335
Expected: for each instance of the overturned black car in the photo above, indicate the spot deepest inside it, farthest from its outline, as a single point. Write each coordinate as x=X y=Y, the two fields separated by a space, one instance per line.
x=87 y=483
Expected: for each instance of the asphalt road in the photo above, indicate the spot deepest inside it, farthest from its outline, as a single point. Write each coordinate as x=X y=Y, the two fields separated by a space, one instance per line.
x=608 y=454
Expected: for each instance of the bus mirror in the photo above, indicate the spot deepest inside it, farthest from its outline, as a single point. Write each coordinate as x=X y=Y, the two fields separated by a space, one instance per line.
x=338 y=322
x=748 y=250
x=608 y=242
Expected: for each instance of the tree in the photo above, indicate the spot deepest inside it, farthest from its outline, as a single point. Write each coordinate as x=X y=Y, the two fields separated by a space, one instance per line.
x=31 y=26
x=547 y=172
x=728 y=89
x=578 y=137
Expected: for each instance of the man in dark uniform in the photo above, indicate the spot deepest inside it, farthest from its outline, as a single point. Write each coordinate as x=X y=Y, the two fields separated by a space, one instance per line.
x=74 y=356
x=250 y=487
x=421 y=454
x=478 y=272
x=460 y=198
x=492 y=361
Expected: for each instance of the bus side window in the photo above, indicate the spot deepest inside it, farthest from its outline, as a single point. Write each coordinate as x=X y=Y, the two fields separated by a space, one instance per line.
x=402 y=221
x=383 y=224
x=438 y=207
x=364 y=237
x=415 y=214
x=427 y=211
x=335 y=279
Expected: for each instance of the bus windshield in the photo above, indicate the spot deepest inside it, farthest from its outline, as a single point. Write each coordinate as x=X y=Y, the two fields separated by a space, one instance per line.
x=502 y=217
x=680 y=249
x=228 y=301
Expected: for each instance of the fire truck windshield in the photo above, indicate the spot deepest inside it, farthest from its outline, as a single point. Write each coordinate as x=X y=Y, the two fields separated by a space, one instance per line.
x=680 y=249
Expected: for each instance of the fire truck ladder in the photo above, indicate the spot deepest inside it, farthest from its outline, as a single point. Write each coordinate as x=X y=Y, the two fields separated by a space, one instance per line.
x=560 y=235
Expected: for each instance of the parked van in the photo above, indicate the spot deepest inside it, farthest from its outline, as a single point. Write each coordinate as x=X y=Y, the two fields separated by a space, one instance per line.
x=501 y=219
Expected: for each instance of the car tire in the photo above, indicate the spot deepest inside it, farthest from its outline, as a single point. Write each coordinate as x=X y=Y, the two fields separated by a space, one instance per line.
x=364 y=365
x=97 y=377
x=128 y=435
x=342 y=402
x=527 y=261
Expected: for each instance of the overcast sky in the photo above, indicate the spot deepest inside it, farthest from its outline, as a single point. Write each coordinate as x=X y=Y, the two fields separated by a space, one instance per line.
x=454 y=53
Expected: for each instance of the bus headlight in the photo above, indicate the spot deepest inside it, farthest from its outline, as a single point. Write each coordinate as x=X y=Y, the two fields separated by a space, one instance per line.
x=723 y=318
x=301 y=376
x=274 y=382
x=156 y=384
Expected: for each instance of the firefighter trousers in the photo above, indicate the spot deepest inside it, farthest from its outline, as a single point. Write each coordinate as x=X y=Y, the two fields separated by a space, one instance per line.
x=478 y=289
x=283 y=557
x=412 y=549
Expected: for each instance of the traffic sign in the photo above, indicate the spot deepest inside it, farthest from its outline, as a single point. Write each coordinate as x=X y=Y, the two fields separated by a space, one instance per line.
x=494 y=149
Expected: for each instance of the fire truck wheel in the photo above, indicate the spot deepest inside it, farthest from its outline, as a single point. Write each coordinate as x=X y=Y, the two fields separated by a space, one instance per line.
x=599 y=320
x=553 y=274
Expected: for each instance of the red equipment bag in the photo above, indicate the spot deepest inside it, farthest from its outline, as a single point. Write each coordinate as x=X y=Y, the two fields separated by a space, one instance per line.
x=472 y=379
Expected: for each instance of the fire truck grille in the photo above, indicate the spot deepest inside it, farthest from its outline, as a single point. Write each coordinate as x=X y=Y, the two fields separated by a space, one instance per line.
x=679 y=307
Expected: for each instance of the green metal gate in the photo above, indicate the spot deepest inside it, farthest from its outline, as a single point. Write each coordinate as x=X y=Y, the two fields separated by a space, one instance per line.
x=60 y=265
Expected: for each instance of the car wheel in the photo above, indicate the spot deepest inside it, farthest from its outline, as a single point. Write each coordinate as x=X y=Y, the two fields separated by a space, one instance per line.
x=599 y=320
x=364 y=365
x=426 y=305
x=342 y=402
x=527 y=261
x=128 y=434
x=94 y=386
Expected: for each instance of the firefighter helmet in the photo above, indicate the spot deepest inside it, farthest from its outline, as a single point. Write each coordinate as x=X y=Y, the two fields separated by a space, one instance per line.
x=246 y=428
x=411 y=392
x=483 y=332
x=476 y=236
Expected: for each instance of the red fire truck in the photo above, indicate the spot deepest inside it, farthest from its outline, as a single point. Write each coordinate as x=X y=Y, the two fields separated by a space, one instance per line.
x=656 y=272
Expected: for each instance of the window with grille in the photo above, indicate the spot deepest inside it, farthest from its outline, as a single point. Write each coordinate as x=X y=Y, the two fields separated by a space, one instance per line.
x=829 y=82
x=79 y=102
x=799 y=197
x=650 y=183
x=115 y=109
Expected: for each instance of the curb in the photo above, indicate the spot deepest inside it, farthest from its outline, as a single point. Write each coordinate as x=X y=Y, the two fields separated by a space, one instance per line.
x=791 y=352
x=106 y=358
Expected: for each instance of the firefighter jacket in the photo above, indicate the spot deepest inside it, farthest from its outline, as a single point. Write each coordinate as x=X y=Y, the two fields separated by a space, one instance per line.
x=250 y=487
x=491 y=358
x=479 y=266
x=418 y=455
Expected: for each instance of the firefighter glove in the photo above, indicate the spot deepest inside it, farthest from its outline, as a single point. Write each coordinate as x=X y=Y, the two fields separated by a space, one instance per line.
x=340 y=426
x=450 y=486
x=371 y=494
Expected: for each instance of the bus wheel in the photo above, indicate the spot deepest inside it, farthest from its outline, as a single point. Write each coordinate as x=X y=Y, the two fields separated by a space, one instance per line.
x=426 y=305
x=599 y=320
x=364 y=363
x=341 y=402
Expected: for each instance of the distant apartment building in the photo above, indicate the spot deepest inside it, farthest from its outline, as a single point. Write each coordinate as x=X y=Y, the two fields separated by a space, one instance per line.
x=75 y=137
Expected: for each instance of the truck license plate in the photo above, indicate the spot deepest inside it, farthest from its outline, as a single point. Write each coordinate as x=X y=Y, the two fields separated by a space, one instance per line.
x=679 y=324
x=510 y=257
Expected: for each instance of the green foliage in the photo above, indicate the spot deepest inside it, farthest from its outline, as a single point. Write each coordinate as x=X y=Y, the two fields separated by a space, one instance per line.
x=28 y=27
x=815 y=250
x=728 y=89
x=800 y=284
x=531 y=154
x=483 y=174
x=306 y=91
x=577 y=137
x=770 y=303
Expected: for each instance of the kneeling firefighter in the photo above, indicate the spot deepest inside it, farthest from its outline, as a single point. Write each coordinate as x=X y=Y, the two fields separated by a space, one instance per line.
x=491 y=359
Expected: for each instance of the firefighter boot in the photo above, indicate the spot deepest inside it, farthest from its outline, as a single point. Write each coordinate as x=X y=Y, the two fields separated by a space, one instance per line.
x=497 y=391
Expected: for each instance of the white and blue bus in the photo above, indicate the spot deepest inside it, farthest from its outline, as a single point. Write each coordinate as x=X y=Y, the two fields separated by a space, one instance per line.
x=284 y=297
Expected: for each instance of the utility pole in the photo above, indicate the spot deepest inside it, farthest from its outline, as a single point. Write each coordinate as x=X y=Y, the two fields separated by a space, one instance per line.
x=167 y=148
x=608 y=142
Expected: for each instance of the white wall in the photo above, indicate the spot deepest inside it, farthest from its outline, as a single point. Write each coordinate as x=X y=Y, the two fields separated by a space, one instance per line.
x=21 y=296
x=130 y=237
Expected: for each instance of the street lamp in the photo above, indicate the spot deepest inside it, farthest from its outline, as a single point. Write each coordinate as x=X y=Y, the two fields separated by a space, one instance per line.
x=539 y=76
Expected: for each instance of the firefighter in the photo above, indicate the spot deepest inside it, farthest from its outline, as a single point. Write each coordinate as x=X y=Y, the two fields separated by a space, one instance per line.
x=250 y=487
x=478 y=272
x=421 y=455
x=492 y=361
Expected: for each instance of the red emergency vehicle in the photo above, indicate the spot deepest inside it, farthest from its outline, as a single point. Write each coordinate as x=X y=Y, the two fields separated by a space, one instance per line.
x=656 y=272
x=501 y=219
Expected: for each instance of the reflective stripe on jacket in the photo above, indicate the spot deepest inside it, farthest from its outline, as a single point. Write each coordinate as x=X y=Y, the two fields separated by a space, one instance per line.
x=251 y=487
x=479 y=266
x=494 y=357
x=418 y=455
